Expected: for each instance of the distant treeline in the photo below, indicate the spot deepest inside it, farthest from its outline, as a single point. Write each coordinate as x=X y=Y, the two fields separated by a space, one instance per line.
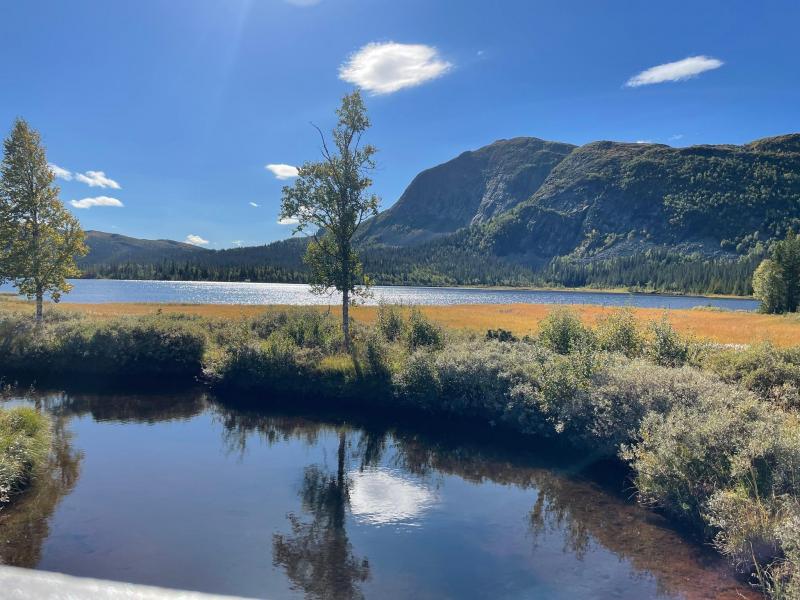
x=447 y=265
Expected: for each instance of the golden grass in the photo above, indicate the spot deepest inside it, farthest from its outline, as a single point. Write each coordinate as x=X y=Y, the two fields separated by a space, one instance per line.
x=720 y=326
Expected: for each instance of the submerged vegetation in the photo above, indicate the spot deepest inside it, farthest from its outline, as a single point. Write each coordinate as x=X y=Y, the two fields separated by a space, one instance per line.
x=711 y=433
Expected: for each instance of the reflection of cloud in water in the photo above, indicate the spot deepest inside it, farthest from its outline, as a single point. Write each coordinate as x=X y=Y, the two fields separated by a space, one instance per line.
x=381 y=496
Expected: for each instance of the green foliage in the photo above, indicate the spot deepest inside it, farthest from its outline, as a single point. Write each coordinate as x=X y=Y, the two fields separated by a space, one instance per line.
x=331 y=197
x=620 y=332
x=776 y=282
x=563 y=332
x=769 y=287
x=128 y=347
x=390 y=322
x=255 y=365
x=421 y=332
x=501 y=335
x=39 y=238
x=665 y=346
x=25 y=438
x=770 y=372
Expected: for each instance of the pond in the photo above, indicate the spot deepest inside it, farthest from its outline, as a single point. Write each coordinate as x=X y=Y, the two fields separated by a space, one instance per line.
x=182 y=491
x=207 y=292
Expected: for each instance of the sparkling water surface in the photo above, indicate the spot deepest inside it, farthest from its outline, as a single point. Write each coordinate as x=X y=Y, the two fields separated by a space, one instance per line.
x=95 y=291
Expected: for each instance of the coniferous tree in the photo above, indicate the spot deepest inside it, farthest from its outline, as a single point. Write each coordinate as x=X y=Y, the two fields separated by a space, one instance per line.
x=39 y=238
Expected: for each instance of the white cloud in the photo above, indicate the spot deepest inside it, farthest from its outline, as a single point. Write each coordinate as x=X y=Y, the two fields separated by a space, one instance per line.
x=383 y=496
x=60 y=172
x=675 y=71
x=253 y=204
x=195 y=240
x=677 y=136
x=238 y=243
x=282 y=171
x=97 y=179
x=384 y=68
x=288 y=221
x=644 y=141
x=98 y=201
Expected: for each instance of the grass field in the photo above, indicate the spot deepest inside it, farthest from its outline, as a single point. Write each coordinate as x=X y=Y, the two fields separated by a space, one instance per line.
x=721 y=326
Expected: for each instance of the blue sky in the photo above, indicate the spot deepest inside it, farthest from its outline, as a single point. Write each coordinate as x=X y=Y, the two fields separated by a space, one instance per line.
x=174 y=108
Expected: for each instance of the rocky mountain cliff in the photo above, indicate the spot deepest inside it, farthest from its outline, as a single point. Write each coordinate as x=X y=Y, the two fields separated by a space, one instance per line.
x=470 y=189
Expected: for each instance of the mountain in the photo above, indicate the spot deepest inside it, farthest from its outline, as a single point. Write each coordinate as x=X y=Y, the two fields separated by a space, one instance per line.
x=611 y=199
x=470 y=189
x=526 y=211
x=115 y=248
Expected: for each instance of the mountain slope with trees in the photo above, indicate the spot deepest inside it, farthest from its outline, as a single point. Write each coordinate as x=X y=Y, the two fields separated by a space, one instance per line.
x=646 y=216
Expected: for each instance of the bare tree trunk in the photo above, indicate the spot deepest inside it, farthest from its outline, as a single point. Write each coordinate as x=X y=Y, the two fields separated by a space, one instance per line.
x=346 y=318
x=39 y=296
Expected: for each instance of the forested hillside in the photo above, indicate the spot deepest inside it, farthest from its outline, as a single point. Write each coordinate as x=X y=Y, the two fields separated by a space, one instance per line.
x=530 y=212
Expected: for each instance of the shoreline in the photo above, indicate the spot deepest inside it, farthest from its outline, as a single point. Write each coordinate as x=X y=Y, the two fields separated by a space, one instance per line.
x=478 y=287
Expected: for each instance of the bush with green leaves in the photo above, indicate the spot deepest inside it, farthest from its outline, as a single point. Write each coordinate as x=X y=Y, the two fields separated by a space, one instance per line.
x=261 y=364
x=620 y=332
x=421 y=332
x=25 y=438
x=770 y=372
x=390 y=322
x=563 y=332
x=665 y=346
x=132 y=346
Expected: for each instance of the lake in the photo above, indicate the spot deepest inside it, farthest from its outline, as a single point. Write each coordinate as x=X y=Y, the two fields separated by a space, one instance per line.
x=94 y=291
x=180 y=490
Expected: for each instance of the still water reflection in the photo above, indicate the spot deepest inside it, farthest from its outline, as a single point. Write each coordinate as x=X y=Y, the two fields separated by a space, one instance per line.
x=181 y=491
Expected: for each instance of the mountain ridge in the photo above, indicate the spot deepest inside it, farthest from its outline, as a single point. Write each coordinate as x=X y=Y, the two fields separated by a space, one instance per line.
x=527 y=210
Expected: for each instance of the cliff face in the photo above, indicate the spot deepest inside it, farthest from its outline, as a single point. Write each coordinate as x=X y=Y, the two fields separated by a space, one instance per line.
x=470 y=189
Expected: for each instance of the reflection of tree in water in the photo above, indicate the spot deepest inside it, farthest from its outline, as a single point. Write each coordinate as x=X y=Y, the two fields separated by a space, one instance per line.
x=317 y=554
x=318 y=557
x=126 y=408
x=24 y=524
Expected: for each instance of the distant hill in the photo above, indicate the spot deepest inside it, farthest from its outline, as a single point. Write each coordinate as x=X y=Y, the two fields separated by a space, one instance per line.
x=528 y=211
x=115 y=248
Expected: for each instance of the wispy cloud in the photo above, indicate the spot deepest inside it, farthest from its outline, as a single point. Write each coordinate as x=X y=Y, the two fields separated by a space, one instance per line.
x=385 y=68
x=676 y=137
x=288 y=221
x=253 y=204
x=238 y=243
x=675 y=71
x=60 y=172
x=282 y=171
x=195 y=240
x=644 y=141
x=97 y=201
x=97 y=179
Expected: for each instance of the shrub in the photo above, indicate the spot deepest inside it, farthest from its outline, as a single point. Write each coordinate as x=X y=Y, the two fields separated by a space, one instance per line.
x=619 y=332
x=563 y=332
x=501 y=335
x=25 y=437
x=421 y=332
x=666 y=347
x=377 y=357
x=252 y=365
x=389 y=322
x=311 y=329
x=771 y=373
x=152 y=345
